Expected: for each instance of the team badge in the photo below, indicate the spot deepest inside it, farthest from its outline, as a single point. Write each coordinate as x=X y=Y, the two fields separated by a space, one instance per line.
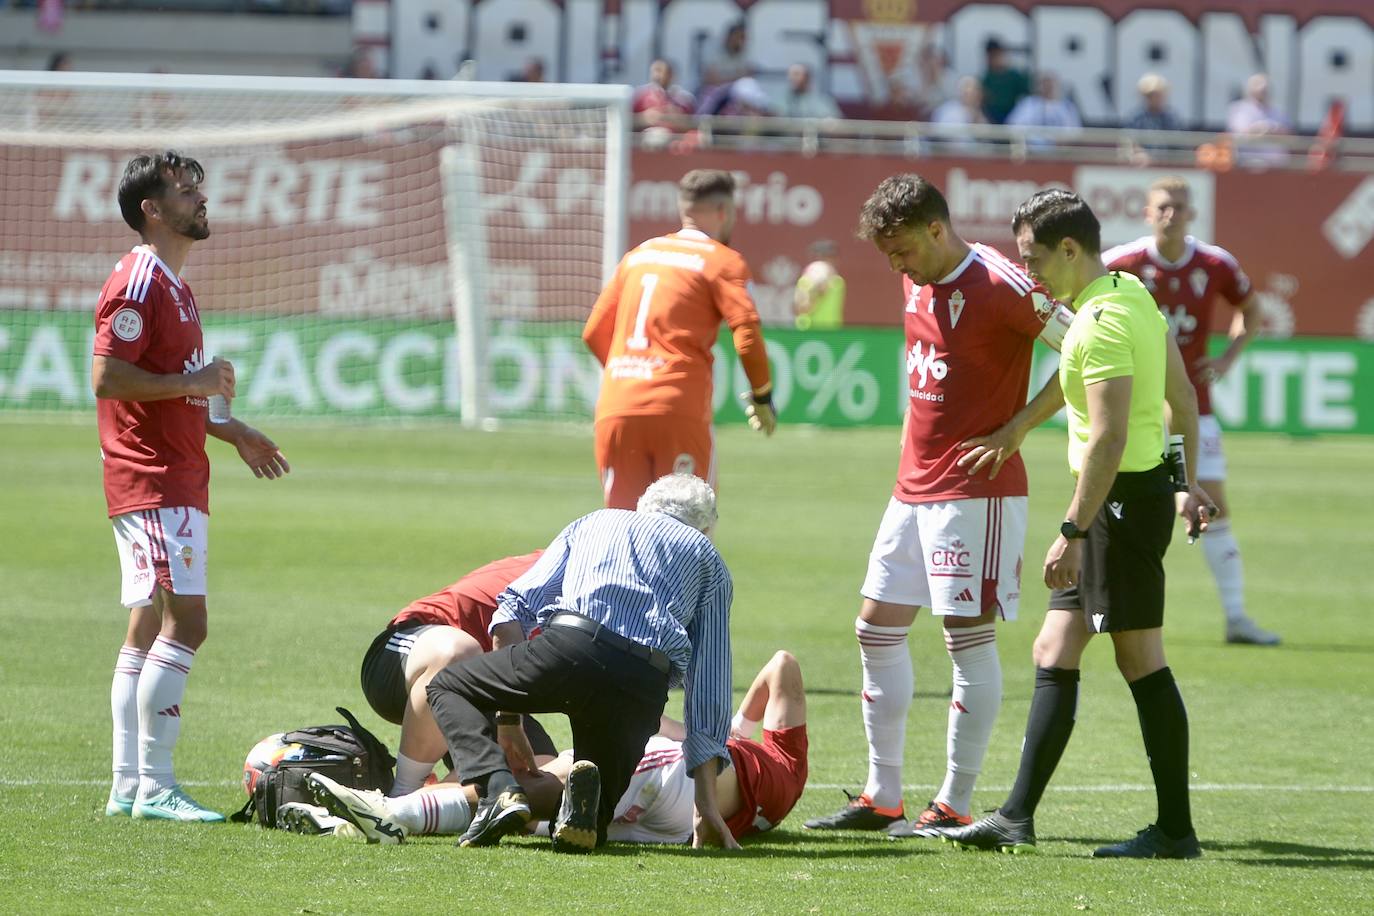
x=187 y=555
x=956 y=308
x=140 y=558
x=127 y=324
x=1198 y=281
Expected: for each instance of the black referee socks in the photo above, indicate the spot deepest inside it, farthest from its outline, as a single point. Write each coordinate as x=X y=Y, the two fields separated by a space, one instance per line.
x=1164 y=726
x=1048 y=727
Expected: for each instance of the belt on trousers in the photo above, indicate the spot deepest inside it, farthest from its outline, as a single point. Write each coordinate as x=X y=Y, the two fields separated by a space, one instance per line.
x=598 y=633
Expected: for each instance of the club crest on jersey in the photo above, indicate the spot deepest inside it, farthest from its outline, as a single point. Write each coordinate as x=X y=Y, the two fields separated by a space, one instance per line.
x=187 y=556
x=956 y=307
x=1198 y=281
x=1147 y=276
x=127 y=324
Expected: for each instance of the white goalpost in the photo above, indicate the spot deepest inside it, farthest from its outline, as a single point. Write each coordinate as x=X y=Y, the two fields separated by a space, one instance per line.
x=380 y=249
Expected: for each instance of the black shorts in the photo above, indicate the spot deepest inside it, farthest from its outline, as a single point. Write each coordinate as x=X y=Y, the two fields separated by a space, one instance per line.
x=1121 y=586
x=384 y=682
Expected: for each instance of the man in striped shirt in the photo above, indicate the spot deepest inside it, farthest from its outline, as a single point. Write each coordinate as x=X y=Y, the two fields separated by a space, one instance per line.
x=627 y=604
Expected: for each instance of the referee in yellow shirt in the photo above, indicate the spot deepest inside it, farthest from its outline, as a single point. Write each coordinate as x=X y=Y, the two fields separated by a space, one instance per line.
x=1106 y=569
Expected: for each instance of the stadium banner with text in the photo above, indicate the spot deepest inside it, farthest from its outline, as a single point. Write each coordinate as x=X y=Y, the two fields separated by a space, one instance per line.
x=865 y=52
x=1306 y=239
x=340 y=368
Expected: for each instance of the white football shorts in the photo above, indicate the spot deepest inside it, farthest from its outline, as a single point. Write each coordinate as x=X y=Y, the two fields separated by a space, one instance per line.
x=166 y=547
x=657 y=806
x=960 y=557
x=1211 y=460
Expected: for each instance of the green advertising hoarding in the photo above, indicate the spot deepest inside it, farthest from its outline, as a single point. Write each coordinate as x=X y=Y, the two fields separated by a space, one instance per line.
x=306 y=366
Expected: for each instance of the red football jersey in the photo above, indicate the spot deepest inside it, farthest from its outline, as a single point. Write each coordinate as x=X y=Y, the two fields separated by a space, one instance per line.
x=1186 y=290
x=153 y=452
x=468 y=603
x=968 y=359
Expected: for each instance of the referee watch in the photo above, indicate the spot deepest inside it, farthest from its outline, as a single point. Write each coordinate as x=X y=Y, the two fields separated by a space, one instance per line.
x=1072 y=532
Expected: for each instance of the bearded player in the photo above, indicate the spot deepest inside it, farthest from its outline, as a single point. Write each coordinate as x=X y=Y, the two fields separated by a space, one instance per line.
x=152 y=383
x=429 y=634
x=653 y=327
x=1187 y=277
x=951 y=538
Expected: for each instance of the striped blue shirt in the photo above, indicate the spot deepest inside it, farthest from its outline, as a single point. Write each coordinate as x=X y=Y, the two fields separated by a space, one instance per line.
x=652 y=579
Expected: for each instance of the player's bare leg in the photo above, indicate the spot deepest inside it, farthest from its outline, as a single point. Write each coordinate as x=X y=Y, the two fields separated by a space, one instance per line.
x=1224 y=560
x=776 y=698
x=881 y=629
x=160 y=689
x=422 y=744
x=144 y=623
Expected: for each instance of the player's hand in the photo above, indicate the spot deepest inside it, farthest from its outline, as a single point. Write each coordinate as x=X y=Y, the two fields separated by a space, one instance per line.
x=516 y=745
x=1212 y=370
x=711 y=831
x=215 y=378
x=761 y=415
x=1063 y=562
x=990 y=451
x=1196 y=509
x=261 y=454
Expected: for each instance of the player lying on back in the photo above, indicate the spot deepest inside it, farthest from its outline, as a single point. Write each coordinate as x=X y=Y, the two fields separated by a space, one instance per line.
x=419 y=642
x=756 y=792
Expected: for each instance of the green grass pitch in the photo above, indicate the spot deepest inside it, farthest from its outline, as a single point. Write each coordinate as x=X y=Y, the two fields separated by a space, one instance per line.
x=306 y=570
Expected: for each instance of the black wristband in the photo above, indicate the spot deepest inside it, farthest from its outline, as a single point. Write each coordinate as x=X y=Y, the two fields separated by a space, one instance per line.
x=765 y=398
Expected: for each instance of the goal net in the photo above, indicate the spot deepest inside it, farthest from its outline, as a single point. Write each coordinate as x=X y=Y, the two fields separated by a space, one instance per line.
x=379 y=249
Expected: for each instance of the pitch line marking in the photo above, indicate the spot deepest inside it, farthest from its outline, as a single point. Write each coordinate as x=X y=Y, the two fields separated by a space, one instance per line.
x=1117 y=787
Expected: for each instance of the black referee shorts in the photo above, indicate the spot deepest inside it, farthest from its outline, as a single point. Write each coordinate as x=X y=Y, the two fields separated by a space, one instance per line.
x=384 y=682
x=1121 y=586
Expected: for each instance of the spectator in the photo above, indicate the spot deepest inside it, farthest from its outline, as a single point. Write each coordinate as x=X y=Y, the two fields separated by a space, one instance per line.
x=360 y=66
x=661 y=96
x=968 y=108
x=1155 y=113
x=1253 y=122
x=1046 y=107
x=742 y=98
x=728 y=63
x=933 y=83
x=60 y=61
x=1252 y=115
x=802 y=100
x=532 y=72
x=1003 y=84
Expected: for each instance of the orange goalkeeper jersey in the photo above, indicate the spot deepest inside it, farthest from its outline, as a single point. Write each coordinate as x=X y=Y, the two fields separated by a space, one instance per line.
x=654 y=324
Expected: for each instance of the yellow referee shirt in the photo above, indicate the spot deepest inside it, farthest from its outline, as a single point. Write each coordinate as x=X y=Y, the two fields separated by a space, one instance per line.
x=1118 y=330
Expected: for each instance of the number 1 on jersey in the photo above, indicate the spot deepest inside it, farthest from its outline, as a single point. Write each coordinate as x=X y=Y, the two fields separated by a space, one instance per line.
x=638 y=340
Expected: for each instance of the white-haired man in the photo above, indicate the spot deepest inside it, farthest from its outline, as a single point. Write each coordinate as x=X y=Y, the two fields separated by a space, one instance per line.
x=627 y=604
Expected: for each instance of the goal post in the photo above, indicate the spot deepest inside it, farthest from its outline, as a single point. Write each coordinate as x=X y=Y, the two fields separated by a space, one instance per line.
x=380 y=249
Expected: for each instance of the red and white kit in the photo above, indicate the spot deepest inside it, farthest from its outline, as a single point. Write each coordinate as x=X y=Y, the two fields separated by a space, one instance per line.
x=157 y=476
x=657 y=806
x=1187 y=291
x=950 y=541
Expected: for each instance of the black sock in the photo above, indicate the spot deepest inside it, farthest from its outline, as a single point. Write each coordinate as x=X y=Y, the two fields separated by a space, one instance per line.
x=1047 y=734
x=1164 y=726
x=496 y=783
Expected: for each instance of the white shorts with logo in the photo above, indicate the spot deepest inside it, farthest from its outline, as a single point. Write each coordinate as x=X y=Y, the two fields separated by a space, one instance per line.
x=961 y=557
x=1211 y=460
x=166 y=547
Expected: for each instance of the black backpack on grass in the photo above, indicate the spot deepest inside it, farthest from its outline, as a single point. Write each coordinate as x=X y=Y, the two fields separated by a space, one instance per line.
x=276 y=769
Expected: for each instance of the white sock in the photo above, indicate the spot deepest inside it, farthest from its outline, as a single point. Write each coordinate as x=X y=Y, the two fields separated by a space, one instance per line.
x=972 y=710
x=888 y=682
x=410 y=775
x=439 y=810
x=1223 y=556
x=160 y=689
x=124 y=712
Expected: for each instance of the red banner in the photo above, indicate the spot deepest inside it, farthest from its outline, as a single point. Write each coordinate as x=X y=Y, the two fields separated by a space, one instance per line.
x=1304 y=239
